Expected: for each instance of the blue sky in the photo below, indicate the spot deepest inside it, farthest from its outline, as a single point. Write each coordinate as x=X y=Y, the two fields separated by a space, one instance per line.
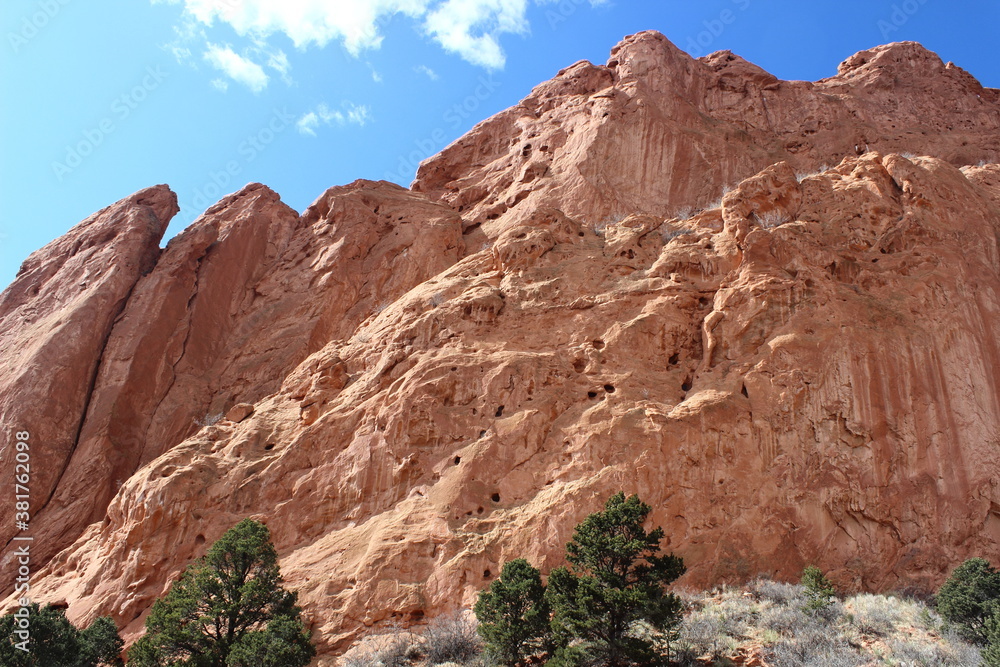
x=101 y=98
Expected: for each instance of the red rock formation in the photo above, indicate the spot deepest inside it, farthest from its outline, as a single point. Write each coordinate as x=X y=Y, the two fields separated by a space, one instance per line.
x=235 y=302
x=655 y=131
x=55 y=319
x=802 y=374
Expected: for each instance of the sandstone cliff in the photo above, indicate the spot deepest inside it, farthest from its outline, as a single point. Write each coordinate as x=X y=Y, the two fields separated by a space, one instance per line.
x=412 y=386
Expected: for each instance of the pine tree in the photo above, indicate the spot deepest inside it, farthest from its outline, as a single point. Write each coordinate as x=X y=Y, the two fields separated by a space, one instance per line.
x=969 y=598
x=615 y=581
x=513 y=614
x=991 y=654
x=819 y=591
x=55 y=642
x=227 y=610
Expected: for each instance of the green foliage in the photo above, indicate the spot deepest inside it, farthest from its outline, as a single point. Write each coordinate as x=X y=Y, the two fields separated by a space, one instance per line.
x=55 y=642
x=819 y=591
x=991 y=654
x=513 y=614
x=615 y=579
x=228 y=609
x=970 y=597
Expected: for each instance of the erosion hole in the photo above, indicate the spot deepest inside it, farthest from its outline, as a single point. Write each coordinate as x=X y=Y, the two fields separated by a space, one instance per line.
x=495 y=497
x=610 y=388
x=744 y=391
x=598 y=344
x=458 y=459
x=591 y=394
x=499 y=412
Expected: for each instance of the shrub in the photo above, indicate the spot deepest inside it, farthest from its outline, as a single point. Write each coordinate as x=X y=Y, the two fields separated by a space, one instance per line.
x=777 y=592
x=786 y=621
x=969 y=597
x=451 y=638
x=702 y=633
x=513 y=614
x=928 y=654
x=819 y=591
x=875 y=614
x=816 y=647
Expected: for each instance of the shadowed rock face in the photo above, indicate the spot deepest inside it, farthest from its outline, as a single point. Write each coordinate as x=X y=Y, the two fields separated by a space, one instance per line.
x=412 y=387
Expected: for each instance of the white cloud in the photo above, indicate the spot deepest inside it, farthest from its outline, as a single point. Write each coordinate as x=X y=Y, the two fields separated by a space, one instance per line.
x=468 y=28
x=351 y=114
x=308 y=124
x=238 y=68
x=220 y=84
x=424 y=69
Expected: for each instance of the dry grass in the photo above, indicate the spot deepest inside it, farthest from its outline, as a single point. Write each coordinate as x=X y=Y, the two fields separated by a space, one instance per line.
x=770 y=619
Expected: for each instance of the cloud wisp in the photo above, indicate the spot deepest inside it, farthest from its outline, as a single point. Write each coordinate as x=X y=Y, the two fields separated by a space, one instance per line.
x=351 y=114
x=470 y=29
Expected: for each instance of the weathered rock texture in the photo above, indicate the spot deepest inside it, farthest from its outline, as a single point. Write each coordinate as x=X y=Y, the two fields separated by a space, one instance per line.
x=411 y=387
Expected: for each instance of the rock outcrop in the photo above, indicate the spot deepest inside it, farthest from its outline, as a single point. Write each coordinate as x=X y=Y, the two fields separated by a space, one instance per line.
x=412 y=386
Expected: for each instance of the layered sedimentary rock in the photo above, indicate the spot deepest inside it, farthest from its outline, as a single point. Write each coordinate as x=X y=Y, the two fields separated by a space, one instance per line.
x=412 y=386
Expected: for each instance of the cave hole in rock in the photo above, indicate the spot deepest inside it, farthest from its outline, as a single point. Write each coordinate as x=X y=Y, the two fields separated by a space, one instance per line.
x=454 y=368
x=674 y=358
x=580 y=234
x=703 y=301
x=482 y=433
x=469 y=513
x=499 y=412
x=579 y=365
x=495 y=497
x=686 y=386
x=269 y=446
x=598 y=344
x=487 y=574
x=610 y=388
x=458 y=459
x=200 y=539
x=480 y=509
x=744 y=391
x=591 y=394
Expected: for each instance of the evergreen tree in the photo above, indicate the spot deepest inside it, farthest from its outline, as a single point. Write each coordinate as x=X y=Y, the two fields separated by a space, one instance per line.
x=228 y=609
x=55 y=642
x=513 y=614
x=969 y=598
x=615 y=580
x=819 y=590
x=991 y=654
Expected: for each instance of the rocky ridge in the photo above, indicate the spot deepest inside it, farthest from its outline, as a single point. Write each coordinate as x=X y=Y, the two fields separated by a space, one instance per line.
x=412 y=386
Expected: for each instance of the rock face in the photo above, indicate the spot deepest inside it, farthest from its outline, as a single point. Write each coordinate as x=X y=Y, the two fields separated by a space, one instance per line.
x=55 y=319
x=412 y=386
